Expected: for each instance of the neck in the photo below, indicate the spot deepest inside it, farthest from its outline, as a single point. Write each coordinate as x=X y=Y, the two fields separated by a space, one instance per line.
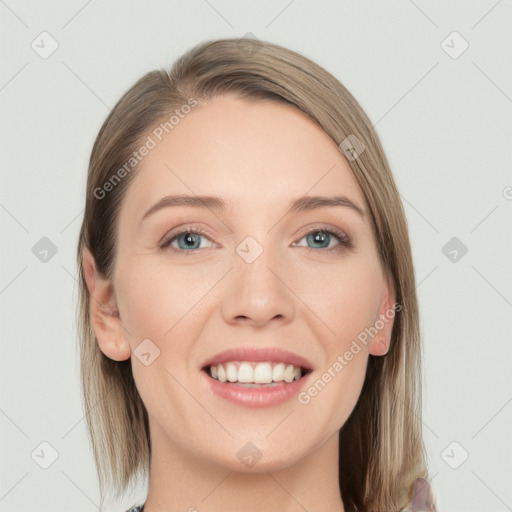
x=180 y=481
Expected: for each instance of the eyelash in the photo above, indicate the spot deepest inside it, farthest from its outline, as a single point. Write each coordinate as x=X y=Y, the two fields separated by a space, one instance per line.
x=345 y=241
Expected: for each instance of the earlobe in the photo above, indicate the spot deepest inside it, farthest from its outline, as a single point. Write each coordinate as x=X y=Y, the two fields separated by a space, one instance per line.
x=379 y=346
x=384 y=321
x=103 y=312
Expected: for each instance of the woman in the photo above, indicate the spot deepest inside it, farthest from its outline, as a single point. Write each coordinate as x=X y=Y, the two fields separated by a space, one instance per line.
x=249 y=322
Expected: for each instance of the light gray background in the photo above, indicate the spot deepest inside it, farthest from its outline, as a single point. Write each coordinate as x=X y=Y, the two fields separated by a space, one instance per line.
x=445 y=124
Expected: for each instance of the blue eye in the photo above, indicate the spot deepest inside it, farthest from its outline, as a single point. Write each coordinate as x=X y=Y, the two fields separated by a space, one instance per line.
x=324 y=237
x=189 y=240
x=319 y=239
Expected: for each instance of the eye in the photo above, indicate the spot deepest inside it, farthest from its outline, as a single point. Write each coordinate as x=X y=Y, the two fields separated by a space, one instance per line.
x=190 y=240
x=187 y=240
x=322 y=239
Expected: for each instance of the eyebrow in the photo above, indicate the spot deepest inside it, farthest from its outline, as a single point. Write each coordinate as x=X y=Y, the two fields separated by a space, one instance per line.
x=305 y=203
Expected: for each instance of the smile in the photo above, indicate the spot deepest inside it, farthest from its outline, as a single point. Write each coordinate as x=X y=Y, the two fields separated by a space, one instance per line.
x=256 y=377
x=252 y=374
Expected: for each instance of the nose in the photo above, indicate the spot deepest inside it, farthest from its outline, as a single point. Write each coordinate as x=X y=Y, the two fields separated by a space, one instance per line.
x=258 y=292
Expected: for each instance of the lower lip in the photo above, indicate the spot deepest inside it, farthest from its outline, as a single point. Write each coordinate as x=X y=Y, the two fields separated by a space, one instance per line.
x=257 y=397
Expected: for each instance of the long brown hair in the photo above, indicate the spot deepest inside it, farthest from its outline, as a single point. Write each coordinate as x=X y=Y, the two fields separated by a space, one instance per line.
x=381 y=446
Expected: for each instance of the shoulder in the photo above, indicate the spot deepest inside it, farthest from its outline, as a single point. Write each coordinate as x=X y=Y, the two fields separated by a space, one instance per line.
x=421 y=497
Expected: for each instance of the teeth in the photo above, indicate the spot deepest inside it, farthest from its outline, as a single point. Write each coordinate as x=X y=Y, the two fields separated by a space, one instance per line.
x=255 y=373
x=245 y=373
x=262 y=373
x=288 y=373
x=221 y=373
x=231 y=372
x=278 y=372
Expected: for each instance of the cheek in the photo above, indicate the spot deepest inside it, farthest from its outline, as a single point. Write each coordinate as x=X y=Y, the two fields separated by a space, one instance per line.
x=155 y=298
x=330 y=397
x=160 y=305
x=348 y=306
x=345 y=297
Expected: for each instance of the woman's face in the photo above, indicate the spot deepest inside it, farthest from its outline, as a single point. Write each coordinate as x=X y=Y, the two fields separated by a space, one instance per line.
x=253 y=281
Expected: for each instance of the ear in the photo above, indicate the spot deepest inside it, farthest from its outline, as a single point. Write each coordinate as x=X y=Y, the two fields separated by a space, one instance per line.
x=384 y=320
x=103 y=313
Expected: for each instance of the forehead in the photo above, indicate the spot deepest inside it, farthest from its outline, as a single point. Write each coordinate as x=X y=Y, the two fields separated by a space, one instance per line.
x=243 y=151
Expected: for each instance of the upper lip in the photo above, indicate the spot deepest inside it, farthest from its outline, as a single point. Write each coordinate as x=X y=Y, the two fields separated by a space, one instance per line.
x=259 y=355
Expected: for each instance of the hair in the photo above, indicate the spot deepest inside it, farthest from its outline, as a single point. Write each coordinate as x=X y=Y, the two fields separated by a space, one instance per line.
x=381 y=448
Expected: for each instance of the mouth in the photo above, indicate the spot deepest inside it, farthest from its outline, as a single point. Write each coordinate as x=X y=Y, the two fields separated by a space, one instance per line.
x=256 y=377
x=253 y=374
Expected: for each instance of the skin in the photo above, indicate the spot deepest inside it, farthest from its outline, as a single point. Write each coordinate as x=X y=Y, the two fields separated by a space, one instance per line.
x=297 y=295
